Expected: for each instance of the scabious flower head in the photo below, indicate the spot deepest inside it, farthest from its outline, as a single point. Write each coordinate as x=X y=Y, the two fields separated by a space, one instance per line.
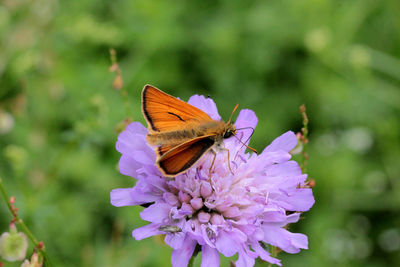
x=225 y=212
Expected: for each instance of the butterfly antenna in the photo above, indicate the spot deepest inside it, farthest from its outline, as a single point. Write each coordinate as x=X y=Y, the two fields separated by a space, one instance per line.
x=244 y=144
x=252 y=132
x=244 y=128
x=230 y=118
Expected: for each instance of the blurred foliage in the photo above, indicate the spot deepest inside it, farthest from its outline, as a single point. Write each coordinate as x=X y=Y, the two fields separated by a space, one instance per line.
x=58 y=113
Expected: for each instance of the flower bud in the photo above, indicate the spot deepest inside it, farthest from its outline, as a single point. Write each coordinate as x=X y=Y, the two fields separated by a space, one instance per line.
x=33 y=263
x=13 y=245
x=183 y=197
x=205 y=190
x=217 y=219
x=6 y=122
x=204 y=217
x=197 y=203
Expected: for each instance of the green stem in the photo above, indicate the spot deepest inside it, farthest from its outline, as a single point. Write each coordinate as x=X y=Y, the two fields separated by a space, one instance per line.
x=125 y=98
x=3 y=192
x=23 y=226
x=273 y=251
x=191 y=261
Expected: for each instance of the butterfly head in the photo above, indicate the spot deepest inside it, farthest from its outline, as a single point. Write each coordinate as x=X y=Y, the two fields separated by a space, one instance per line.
x=230 y=130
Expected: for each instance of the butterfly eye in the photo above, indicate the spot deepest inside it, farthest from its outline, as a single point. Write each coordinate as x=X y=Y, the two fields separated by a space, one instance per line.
x=228 y=134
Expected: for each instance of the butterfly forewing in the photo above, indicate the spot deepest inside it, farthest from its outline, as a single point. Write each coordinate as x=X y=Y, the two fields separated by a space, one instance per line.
x=164 y=112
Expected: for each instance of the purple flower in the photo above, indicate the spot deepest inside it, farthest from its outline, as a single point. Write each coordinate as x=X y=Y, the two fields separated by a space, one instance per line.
x=227 y=213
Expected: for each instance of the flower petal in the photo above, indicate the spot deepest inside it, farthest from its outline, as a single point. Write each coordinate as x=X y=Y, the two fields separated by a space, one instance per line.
x=301 y=199
x=122 y=197
x=180 y=257
x=175 y=240
x=282 y=238
x=146 y=231
x=228 y=242
x=210 y=257
x=288 y=168
x=246 y=119
x=205 y=104
x=144 y=193
x=144 y=157
x=129 y=166
x=156 y=213
x=264 y=255
x=225 y=244
x=278 y=156
x=286 y=141
x=132 y=138
x=244 y=260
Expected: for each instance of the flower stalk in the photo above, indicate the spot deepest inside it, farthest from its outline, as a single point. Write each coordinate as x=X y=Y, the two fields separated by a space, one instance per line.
x=304 y=138
x=118 y=82
x=16 y=219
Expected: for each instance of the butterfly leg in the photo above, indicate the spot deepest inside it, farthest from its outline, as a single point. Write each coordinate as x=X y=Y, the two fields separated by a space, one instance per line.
x=212 y=163
x=229 y=161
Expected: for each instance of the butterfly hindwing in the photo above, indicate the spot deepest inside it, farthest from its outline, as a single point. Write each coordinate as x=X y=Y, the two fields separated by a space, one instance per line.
x=180 y=158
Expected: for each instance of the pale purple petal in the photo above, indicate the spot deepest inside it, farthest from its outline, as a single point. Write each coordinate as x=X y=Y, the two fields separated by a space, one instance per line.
x=246 y=122
x=225 y=244
x=289 y=168
x=286 y=141
x=133 y=137
x=180 y=257
x=244 y=260
x=210 y=257
x=122 y=197
x=280 y=220
x=143 y=197
x=156 y=213
x=129 y=166
x=205 y=104
x=245 y=125
x=133 y=196
x=274 y=216
x=272 y=157
x=144 y=157
x=301 y=200
x=156 y=182
x=299 y=240
x=175 y=240
x=287 y=241
x=264 y=255
x=146 y=231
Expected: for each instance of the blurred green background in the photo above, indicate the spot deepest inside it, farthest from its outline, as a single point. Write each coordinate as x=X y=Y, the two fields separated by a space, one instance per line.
x=59 y=113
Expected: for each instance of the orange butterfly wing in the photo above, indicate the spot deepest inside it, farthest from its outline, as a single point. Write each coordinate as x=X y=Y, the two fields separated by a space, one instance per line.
x=180 y=158
x=164 y=112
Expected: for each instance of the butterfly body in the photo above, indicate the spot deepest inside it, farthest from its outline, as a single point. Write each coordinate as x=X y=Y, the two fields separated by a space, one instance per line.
x=181 y=132
x=216 y=130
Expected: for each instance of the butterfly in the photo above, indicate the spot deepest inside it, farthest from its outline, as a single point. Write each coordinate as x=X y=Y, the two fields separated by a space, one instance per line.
x=181 y=133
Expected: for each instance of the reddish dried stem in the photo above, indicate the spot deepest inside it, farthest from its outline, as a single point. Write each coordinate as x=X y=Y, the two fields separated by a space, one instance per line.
x=304 y=137
x=118 y=82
